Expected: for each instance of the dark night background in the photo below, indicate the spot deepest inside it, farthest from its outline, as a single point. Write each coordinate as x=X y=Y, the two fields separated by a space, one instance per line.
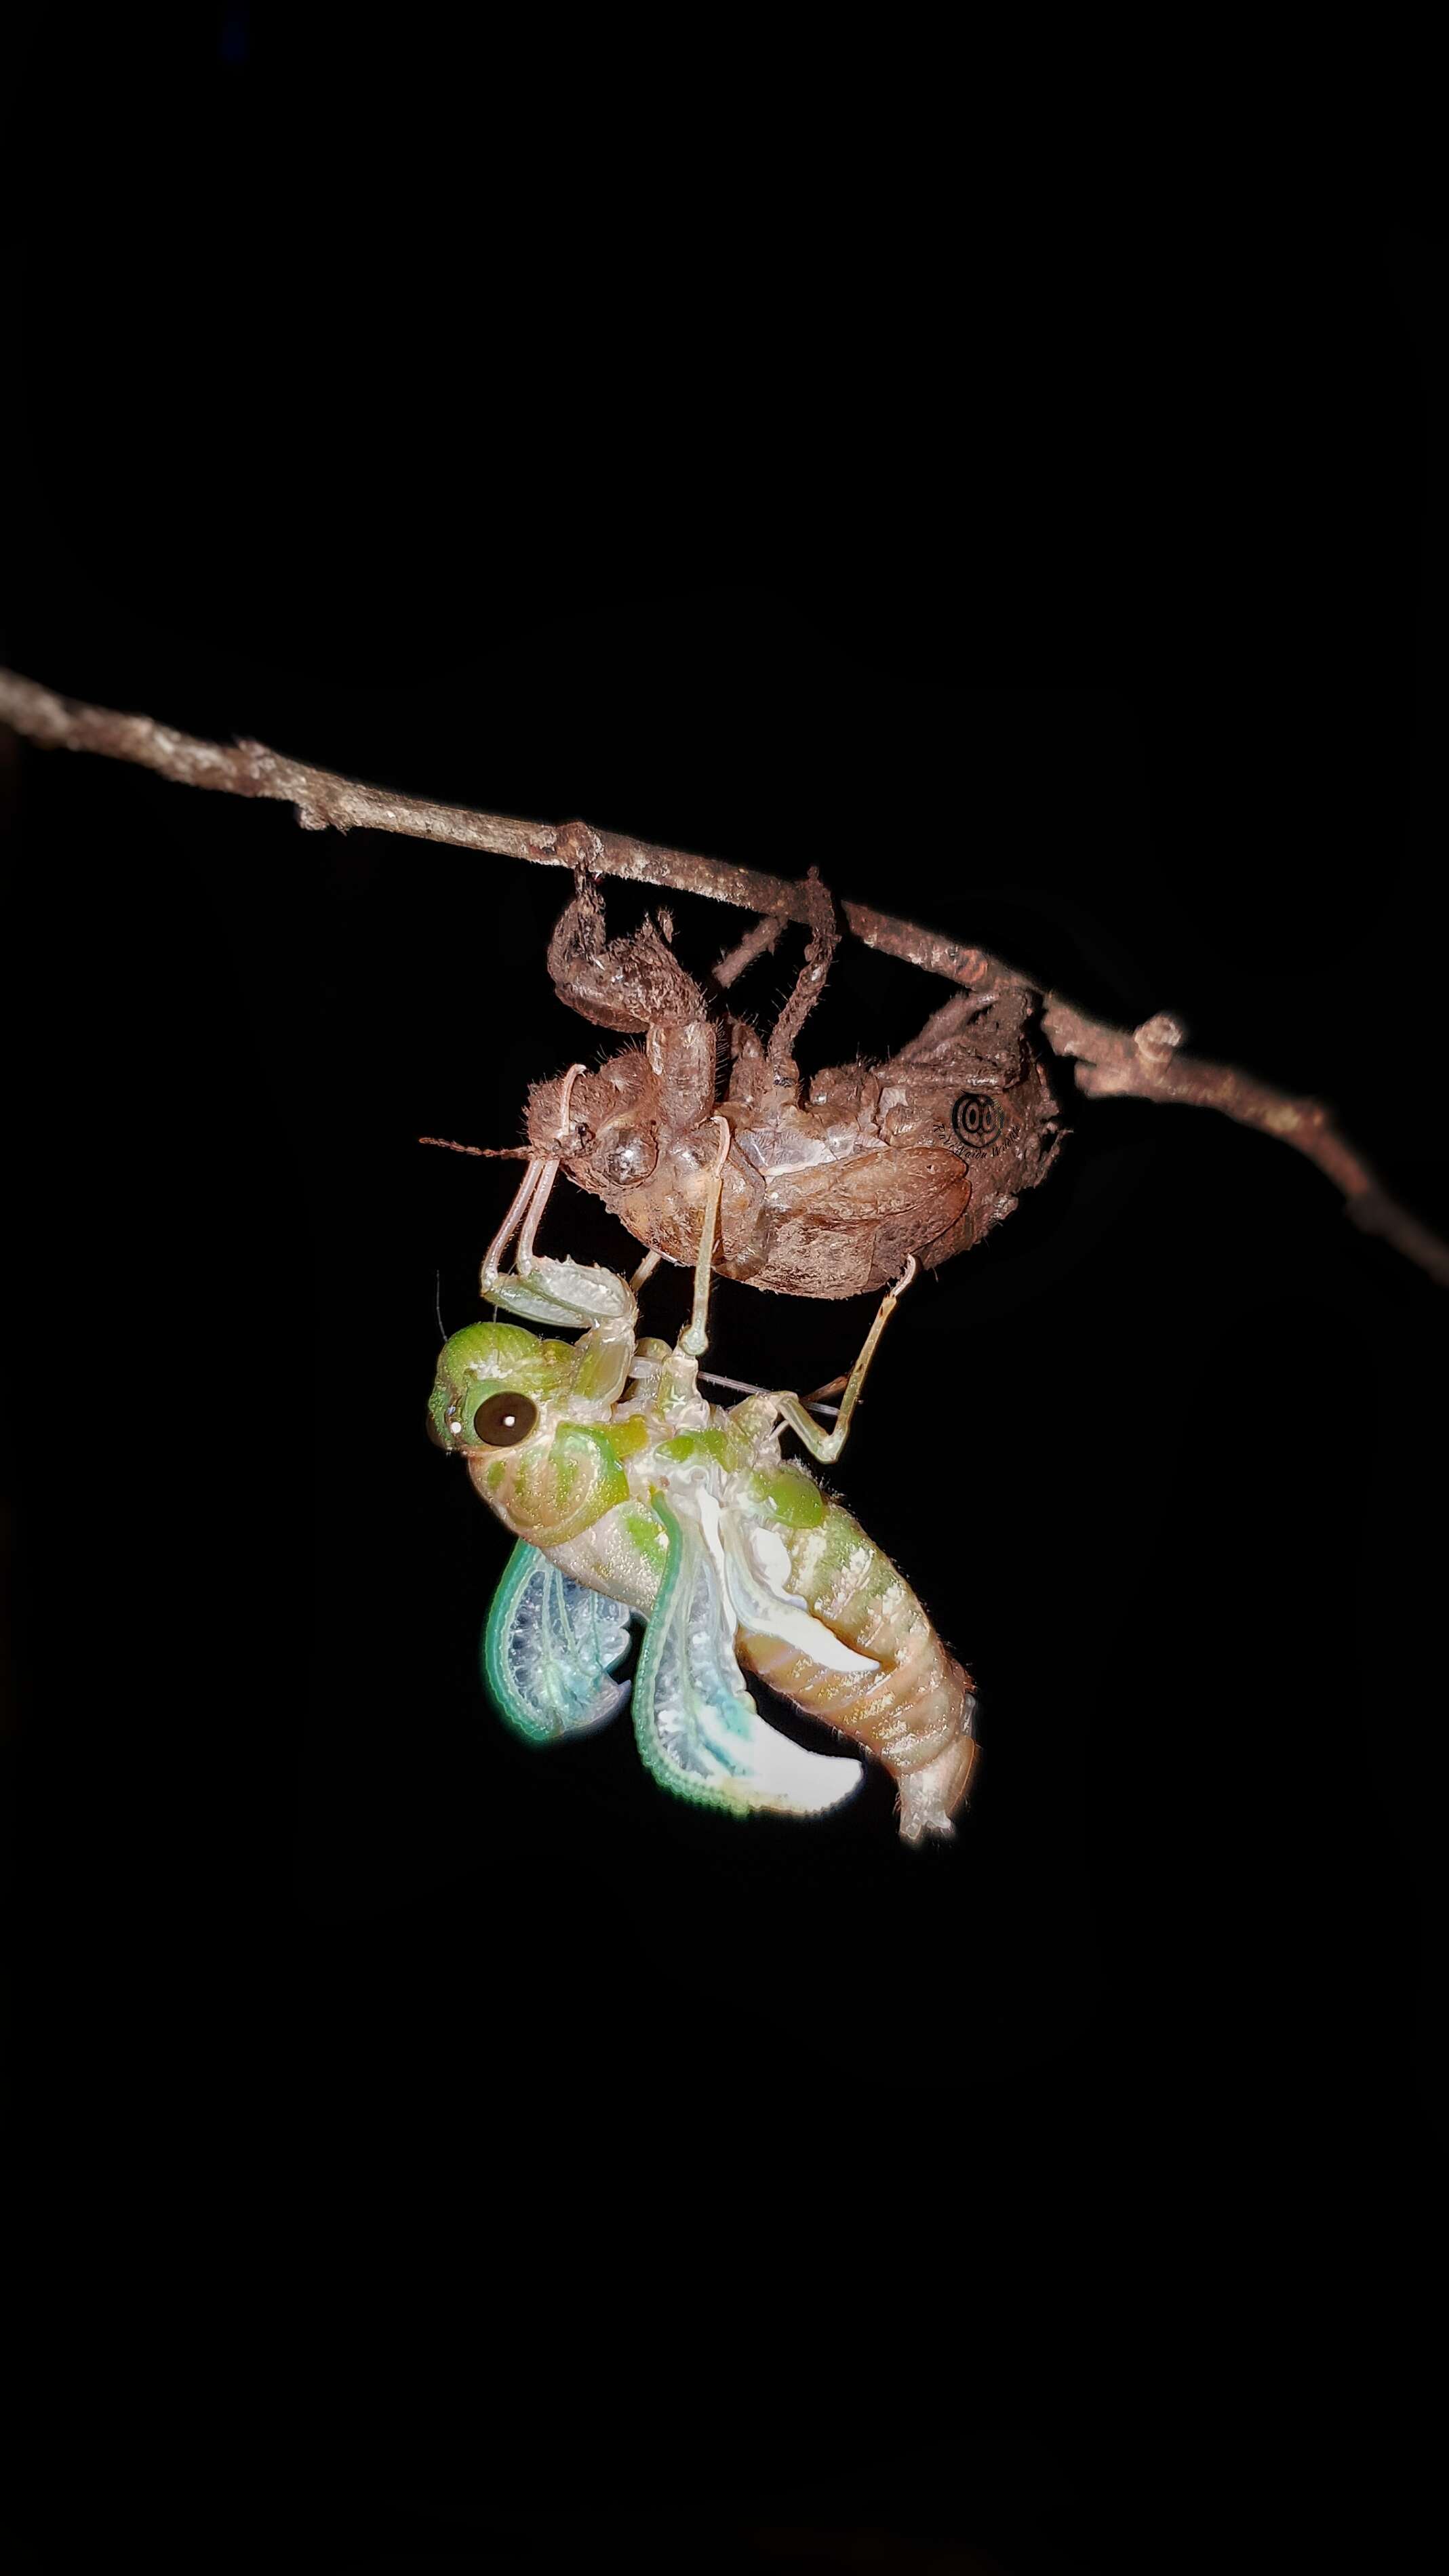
x=1034 y=2193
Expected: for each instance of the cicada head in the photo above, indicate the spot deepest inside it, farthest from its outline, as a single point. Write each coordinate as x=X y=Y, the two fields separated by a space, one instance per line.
x=500 y=1399
x=611 y=1144
x=492 y=1385
x=639 y=1131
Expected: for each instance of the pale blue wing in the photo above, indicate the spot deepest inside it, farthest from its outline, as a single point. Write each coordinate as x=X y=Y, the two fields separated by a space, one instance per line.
x=549 y=1649
x=698 y=1729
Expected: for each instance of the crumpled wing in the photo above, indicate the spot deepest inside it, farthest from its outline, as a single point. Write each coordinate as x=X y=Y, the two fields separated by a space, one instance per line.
x=549 y=1649
x=698 y=1729
x=563 y=1292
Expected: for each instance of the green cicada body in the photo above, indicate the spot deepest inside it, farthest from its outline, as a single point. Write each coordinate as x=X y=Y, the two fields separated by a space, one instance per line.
x=633 y=1496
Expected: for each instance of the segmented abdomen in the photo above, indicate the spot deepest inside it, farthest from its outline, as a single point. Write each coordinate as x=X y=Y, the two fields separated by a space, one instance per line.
x=918 y=1703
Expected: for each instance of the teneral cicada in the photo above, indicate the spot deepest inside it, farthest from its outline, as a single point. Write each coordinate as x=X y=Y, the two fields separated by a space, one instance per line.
x=631 y=1495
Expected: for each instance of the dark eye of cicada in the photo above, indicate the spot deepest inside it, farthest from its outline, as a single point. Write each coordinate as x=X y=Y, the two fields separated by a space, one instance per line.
x=628 y=1157
x=501 y=1421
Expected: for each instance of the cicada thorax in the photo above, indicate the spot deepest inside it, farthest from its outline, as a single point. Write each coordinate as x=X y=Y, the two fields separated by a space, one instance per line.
x=503 y=1400
x=553 y=1486
x=844 y=1225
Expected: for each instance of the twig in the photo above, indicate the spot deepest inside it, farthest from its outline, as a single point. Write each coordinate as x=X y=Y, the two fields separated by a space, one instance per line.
x=1143 y=1064
x=1140 y=1064
x=322 y=798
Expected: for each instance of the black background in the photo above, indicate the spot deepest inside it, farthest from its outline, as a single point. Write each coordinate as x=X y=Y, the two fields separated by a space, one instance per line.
x=1035 y=2192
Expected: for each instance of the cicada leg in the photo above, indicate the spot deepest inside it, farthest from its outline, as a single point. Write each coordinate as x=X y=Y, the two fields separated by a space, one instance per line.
x=547 y=1174
x=518 y=1209
x=694 y=1340
x=529 y=1201
x=827 y=1445
x=564 y=1294
x=824 y=940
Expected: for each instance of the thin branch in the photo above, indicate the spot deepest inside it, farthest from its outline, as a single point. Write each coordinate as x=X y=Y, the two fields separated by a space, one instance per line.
x=1143 y=1064
x=1140 y=1064
x=322 y=798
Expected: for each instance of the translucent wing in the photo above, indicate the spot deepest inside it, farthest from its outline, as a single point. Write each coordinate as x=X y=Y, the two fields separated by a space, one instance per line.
x=549 y=1649
x=698 y=1729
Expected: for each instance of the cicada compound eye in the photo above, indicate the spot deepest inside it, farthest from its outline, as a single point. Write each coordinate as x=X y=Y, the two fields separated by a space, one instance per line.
x=501 y=1421
x=628 y=1157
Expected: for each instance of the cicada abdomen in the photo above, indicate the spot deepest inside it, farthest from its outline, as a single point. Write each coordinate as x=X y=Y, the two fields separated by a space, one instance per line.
x=913 y=1711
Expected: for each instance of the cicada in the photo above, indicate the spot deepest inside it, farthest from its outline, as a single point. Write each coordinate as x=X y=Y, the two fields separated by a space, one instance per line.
x=632 y=1496
x=833 y=1181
